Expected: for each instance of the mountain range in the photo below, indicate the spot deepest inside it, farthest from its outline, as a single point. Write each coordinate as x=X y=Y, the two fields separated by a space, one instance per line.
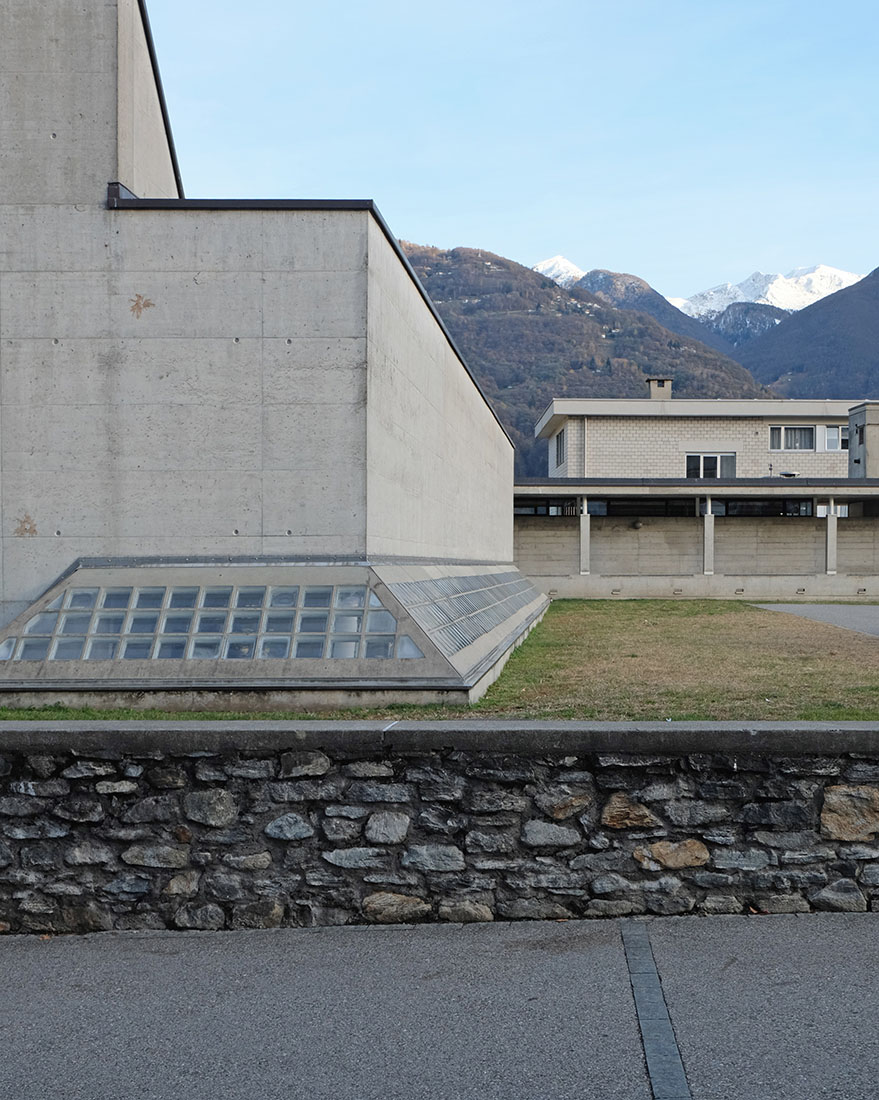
x=528 y=340
x=799 y=288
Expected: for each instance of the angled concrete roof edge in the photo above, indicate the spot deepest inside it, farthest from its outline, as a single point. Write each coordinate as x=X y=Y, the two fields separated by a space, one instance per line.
x=160 y=91
x=116 y=200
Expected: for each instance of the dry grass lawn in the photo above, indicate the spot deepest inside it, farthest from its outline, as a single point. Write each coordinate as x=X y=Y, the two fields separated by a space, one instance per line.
x=687 y=659
x=629 y=660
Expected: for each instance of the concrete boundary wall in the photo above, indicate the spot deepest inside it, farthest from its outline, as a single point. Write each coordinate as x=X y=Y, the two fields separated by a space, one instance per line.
x=141 y=825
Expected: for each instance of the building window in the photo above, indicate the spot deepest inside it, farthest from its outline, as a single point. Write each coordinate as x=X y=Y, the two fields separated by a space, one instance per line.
x=791 y=438
x=560 y=448
x=711 y=465
x=837 y=438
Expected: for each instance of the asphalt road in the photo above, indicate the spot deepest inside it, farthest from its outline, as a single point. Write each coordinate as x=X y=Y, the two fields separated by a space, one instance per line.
x=863 y=618
x=767 y=1008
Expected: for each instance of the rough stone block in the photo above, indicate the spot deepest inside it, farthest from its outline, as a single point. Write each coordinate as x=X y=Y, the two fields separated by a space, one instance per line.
x=620 y=812
x=388 y=827
x=156 y=855
x=464 y=911
x=289 y=827
x=842 y=896
x=216 y=808
x=542 y=834
x=434 y=857
x=304 y=763
x=850 y=813
x=388 y=908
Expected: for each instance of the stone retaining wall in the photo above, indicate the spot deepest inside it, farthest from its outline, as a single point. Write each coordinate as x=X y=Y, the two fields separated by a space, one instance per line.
x=132 y=826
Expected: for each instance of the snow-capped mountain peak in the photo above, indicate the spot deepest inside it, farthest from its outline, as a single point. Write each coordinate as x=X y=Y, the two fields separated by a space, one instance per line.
x=560 y=270
x=796 y=290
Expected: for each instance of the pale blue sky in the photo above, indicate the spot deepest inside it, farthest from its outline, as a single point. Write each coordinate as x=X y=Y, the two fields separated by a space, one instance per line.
x=686 y=141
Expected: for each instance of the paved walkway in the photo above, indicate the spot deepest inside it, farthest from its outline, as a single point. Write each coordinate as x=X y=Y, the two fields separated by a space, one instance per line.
x=766 y=1008
x=853 y=616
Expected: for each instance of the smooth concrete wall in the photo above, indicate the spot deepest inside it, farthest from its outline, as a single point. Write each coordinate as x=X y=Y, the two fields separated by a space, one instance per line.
x=745 y=545
x=628 y=446
x=145 y=165
x=547 y=546
x=766 y=558
x=225 y=417
x=439 y=467
x=57 y=101
x=857 y=546
x=662 y=546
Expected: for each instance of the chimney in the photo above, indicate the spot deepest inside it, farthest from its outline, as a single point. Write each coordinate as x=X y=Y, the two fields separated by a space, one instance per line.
x=660 y=389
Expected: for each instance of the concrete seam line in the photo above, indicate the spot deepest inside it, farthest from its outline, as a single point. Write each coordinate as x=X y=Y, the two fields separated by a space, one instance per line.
x=668 y=1080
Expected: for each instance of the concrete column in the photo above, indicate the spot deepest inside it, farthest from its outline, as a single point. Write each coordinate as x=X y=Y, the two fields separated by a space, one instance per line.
x=585 y=519
x=708 y=540
x=830 y=538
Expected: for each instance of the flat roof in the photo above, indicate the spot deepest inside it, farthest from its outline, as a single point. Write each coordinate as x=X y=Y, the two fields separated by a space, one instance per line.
x=838 y=488
x=120 y=198
x=560 y=408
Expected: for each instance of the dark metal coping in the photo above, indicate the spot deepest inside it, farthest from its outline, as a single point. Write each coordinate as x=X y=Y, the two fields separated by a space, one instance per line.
x=573 y=483
x=731 y=739
x=145 y=19
x=120 y=198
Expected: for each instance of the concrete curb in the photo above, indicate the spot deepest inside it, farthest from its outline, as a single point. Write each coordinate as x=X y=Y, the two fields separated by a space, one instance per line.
x=566 y=738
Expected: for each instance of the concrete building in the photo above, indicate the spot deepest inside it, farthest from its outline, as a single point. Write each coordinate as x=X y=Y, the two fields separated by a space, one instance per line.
x=661 y=497
x=702 y=438
x=229 y=389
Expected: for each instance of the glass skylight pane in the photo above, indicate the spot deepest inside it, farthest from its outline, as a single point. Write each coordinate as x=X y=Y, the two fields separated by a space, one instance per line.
x=171 y=647
x=310 y=648
x=216 y=597
x=239 y=648
x=68 y=649
x=317 y=597
x=116 y=597
x=274 y=647
x=145 y=623
x=344 y=647
x=374 y=601
x=245 y=624
x=137 y=649
x=347 y=624
x=313 y=624
x=6 y=649
x=350 y=596
x=279 y=622
x=108 y=624
x=177 y=624
x=42 y=624
x=56 y=603
x=33 y=649
x=284 y=597
x=183 y=597
x=250 y=597
x=80 y=598
x=205 y=649
x=379 y=647
x=101 y=649
x=211 y=624
x=75 y=624
x=149 y=598
x=407 y=650
x=380 y=622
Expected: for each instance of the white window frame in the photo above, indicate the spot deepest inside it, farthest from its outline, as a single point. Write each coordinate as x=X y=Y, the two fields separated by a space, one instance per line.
x=719 y=455
x=784 y=429
x=561 y=448
x=839 y=434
